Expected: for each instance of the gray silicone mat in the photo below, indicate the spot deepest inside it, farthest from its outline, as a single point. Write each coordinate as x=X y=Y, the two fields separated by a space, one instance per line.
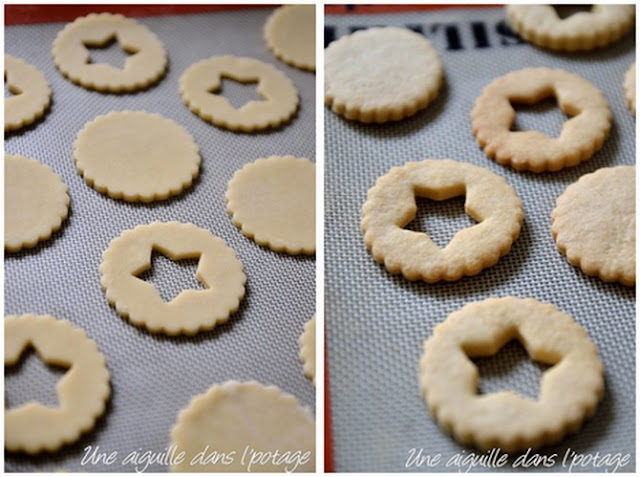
x=376 y=323
x=154 y=376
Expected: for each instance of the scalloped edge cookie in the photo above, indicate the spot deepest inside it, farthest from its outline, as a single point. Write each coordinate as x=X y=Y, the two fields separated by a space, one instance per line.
x=583 y=134
x=142 y=69
x=272 y=201
x=36 y=202
x=232 y=416
x=104 y=159
x=192 y=311
x=569 y=390
x=307 y=355
x=363 y=70
x=541 y=25
x=391 y=205
x=290 y=33
x=594 y=224
x=32 y=93
x=200 y=82
x=82 y=392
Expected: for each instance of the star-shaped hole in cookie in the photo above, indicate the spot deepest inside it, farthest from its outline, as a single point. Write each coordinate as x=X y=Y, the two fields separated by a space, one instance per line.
x=109 y=51
x=510 y=369
x=238 y=92
x=440 y=219
x=566 y=11
x=9 y=89
x=171 y=274
x=543 y=116
x=33 y=379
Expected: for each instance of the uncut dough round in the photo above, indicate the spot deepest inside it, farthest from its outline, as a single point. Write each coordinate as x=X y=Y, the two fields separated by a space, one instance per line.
x=381 y=74
x=192 y=311
x=143 y=68
x=233 y=416
x=391 y=205
x=307 y=343
x=200 y=82
x=82 y=392
x=36 y=202
x=541 y=25
x=31 y=93
x=582 y=134
x=630 y=88
x=136 y=156
x=290 y=33
x=569 y=390
x=273 y=202
x=594 y=224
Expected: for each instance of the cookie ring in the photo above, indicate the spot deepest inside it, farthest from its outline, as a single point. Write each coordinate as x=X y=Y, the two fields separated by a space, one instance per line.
x=234 y=416
x=32 y=94
x=284 y=215
x=569 y=390
x=82 y=392
x=202 y=79
x=192 y=311
x=541 y=25
x=307 y=342
x=594 y=224
x=290 y=33
x=630 y=88
x=144 y=67
x=36 y=202
x=136 y=156
x=582 y=135
x=391 y=205
x=403 y=74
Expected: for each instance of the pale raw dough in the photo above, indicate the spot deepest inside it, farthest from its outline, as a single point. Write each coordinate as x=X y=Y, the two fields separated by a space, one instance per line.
x=219 y=271
x=143 y=68
x=630 y=88
x=232 y=417
x=381 y=74
x=31 y=93
x=290 y=32
x=273 y=202
x=594 y=224
x=308 y=349
x=35 y=202
x=136 y=156
x=202 y=80
x=569 y=391
x=82 y=392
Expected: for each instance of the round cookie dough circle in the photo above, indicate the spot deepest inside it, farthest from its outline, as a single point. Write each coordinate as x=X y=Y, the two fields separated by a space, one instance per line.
x=202 y=80
x=391 y=205
x=192 y=311
x=144 y=67
x=630 y=88
x=234 y=416
x=541 y=25
x=136 y=156
x=273 y=202
x=381 y=74
x=594 y=224
x=582 y=134
x=290 y=33
x=31 y=94
x=307 y=344
x=36 y=202
x=569 y=391
x=82 y=392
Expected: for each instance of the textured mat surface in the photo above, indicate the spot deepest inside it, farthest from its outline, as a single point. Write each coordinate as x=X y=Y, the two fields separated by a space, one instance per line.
x=154 y=376
x=376 y=323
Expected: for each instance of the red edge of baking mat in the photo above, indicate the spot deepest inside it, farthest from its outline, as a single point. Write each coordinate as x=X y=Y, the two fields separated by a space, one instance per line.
x=26 y=14
x=349 y=10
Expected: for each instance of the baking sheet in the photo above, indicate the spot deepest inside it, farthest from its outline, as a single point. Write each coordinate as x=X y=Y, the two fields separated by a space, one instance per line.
x=154 y=376
x=376 y=323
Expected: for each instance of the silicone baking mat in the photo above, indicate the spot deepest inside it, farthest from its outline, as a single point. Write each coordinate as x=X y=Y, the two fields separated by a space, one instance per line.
x=154 y=376
x=376 y=323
